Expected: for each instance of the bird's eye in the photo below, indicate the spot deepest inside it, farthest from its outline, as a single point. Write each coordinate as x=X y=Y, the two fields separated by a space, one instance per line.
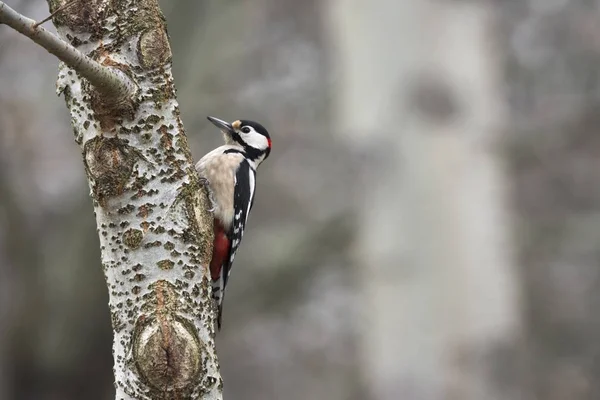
x=246 y=129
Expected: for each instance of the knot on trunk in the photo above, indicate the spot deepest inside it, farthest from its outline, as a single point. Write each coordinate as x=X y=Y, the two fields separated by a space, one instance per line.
x=167 y=353
x=166 y=348
x=153 y=48
x=112 y=108
x=109 y=163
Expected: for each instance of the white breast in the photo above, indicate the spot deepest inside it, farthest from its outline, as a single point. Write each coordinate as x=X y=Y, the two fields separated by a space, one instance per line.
x=220 y=169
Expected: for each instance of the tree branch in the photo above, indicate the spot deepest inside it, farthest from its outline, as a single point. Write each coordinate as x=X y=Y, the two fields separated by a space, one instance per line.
x=109 y=81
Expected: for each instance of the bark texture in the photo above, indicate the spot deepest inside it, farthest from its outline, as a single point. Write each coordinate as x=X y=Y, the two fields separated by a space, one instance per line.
x=151 y=211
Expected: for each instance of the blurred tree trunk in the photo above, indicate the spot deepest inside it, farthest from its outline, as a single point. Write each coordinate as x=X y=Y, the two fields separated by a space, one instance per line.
x=6 y=292
x=16 y=307
x=151 y=211
x=419 y=92
x=6 y=317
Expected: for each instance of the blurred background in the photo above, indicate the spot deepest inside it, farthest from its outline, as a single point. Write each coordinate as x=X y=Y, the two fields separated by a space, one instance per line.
x=444 y=247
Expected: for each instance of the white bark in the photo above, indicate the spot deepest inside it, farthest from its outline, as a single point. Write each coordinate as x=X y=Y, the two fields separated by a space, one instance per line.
x=419 y=86
x=151 y=211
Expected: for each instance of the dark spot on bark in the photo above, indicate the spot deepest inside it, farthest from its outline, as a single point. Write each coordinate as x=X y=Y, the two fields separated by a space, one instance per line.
x=156 y=243
x=165 y=264
x=433 y=98
x=153 y=119
x=126 y=210
x=189 y=274
x=117 y=323
x=145 y=209
x=132 y=238
x=75 y=42
x=166 y=140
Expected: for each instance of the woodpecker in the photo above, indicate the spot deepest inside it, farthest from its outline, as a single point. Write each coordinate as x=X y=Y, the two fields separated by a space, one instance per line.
x=230 y=173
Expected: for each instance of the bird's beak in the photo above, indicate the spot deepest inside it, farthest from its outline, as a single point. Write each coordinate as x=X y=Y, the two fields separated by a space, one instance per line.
x=223 y=125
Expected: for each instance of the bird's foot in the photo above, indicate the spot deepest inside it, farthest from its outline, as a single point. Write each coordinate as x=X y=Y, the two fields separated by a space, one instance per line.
x=204 y=181
x=211 y=198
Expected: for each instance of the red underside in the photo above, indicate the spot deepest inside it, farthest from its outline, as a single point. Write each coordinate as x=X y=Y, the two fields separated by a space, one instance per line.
x=220 y=251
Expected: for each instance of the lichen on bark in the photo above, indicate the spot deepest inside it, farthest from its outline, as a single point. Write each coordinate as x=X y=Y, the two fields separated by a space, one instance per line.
x=152 y=213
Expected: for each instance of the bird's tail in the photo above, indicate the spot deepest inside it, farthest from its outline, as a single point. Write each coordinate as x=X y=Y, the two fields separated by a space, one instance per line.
x=220 y=315
x=218 y=296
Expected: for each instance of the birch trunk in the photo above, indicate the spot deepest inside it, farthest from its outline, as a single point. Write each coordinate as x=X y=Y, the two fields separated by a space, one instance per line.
x=151 y=211
x=419 y=87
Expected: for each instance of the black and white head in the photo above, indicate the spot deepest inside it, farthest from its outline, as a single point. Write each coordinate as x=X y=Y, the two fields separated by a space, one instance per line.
x=251 y=136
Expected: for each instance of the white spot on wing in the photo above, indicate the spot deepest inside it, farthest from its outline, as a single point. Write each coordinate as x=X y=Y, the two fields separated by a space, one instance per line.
x=238 y=224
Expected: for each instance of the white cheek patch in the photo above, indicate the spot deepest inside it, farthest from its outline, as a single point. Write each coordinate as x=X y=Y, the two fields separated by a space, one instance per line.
x=256 y=140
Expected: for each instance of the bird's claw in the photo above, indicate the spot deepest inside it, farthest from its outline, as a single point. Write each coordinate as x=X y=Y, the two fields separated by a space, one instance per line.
x=212 y=201
x=205 y=182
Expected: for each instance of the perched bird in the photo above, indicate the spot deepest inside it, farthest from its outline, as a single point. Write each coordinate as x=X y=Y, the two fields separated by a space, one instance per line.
x=230 y=172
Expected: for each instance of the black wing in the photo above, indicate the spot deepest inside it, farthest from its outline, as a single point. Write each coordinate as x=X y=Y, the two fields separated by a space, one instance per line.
x=243 y=199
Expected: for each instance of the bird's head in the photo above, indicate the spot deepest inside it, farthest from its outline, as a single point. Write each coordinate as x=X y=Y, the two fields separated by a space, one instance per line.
x=251 y=136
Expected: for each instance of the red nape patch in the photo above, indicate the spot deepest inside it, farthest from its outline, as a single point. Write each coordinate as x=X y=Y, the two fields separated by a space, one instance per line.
x=220 y=251
x=269 y=142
